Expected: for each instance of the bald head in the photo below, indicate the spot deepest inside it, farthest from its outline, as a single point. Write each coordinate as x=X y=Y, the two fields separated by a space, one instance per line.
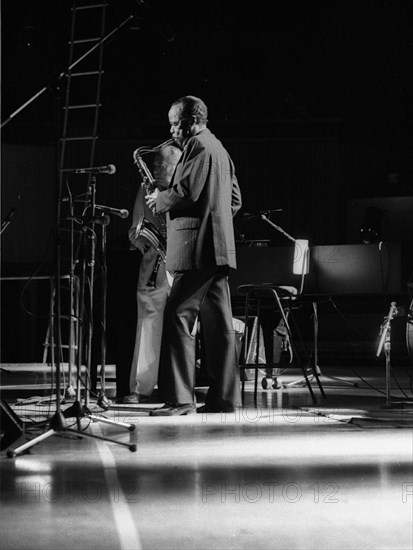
x=164 y=164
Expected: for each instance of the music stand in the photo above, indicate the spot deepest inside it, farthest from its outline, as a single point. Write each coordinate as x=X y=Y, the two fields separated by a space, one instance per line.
x=301 y=382
x=316 y=374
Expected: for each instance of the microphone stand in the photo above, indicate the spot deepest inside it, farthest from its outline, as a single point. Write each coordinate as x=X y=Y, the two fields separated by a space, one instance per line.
x=91 y=249
x=103 y=402
x=5 y=223
x=73 y=305
x=277 y=227
x=87 y=275
x=58 y=422
x=385 y=343
x=64 y=73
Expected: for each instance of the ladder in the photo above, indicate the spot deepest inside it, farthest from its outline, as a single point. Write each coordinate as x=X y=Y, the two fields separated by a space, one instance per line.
x=83 y=84
x=79 y=128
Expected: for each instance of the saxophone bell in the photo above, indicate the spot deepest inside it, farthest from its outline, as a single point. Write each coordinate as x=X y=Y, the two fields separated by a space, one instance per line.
x=151 y=235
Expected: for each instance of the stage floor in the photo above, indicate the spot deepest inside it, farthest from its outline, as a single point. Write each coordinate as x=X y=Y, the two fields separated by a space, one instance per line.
x=286 y=473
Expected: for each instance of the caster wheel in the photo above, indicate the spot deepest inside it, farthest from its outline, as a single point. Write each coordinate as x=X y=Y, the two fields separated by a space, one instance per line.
x=276 y=385
x=267 y=383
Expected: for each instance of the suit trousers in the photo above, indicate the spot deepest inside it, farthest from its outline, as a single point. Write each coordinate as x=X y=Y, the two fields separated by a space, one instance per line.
x=199 y=294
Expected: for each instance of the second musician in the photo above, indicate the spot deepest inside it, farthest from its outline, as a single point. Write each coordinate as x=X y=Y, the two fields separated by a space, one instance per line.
x=153 y=286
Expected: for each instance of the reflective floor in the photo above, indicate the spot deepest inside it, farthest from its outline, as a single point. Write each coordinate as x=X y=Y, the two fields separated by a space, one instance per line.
x=286 y=473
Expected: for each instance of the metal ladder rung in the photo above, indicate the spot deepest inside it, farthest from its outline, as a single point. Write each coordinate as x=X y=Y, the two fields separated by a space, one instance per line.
x=84 y=138
x=84 y=40
x=87 y=73
x=85 y=106
x=88 y=7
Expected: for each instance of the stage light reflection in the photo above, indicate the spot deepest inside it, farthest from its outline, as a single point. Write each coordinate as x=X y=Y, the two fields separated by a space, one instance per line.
x=25 y=464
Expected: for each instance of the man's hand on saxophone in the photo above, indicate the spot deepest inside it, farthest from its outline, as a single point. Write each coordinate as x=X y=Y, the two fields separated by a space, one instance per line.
x=151 y=199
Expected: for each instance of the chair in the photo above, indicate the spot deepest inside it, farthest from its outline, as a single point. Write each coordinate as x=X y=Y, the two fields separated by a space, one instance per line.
x=283 y=298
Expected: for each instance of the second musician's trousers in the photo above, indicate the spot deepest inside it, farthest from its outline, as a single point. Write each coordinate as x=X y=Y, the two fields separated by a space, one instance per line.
x=151 y=304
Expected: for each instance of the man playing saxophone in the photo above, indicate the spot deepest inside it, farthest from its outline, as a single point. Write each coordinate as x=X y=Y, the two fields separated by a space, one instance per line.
x=153 y=286
x=199 y=204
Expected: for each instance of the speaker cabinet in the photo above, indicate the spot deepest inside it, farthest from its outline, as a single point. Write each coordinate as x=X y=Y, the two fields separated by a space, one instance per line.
x=11 y=427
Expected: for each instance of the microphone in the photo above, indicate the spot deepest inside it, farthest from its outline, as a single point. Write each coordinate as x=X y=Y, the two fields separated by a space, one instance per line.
x=122 y=213
x=109 y=169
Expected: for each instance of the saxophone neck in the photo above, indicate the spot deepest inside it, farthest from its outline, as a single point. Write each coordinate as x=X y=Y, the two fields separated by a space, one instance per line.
x=144 y=149
x=143 y=169
x=146 y=175
x=165 y=144
x=137 y=156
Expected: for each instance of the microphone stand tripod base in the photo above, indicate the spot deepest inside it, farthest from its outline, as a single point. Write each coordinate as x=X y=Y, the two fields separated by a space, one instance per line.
x=57 y=424
x=77 y=411
x=97 y=418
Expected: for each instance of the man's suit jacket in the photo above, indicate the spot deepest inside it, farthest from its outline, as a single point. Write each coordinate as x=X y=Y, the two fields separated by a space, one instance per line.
x=202 y=199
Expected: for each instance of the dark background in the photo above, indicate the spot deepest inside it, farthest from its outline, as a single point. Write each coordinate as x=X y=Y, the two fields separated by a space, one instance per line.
x=313 y=100
x=251 y=61
x=334 y=78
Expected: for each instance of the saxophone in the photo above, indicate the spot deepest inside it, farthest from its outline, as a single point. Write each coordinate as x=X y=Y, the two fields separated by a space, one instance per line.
x=153 y=236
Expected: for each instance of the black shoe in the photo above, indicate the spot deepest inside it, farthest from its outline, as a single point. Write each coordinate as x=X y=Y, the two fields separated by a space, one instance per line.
x=209 y=409
x=174 y=409
x=150 y=399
